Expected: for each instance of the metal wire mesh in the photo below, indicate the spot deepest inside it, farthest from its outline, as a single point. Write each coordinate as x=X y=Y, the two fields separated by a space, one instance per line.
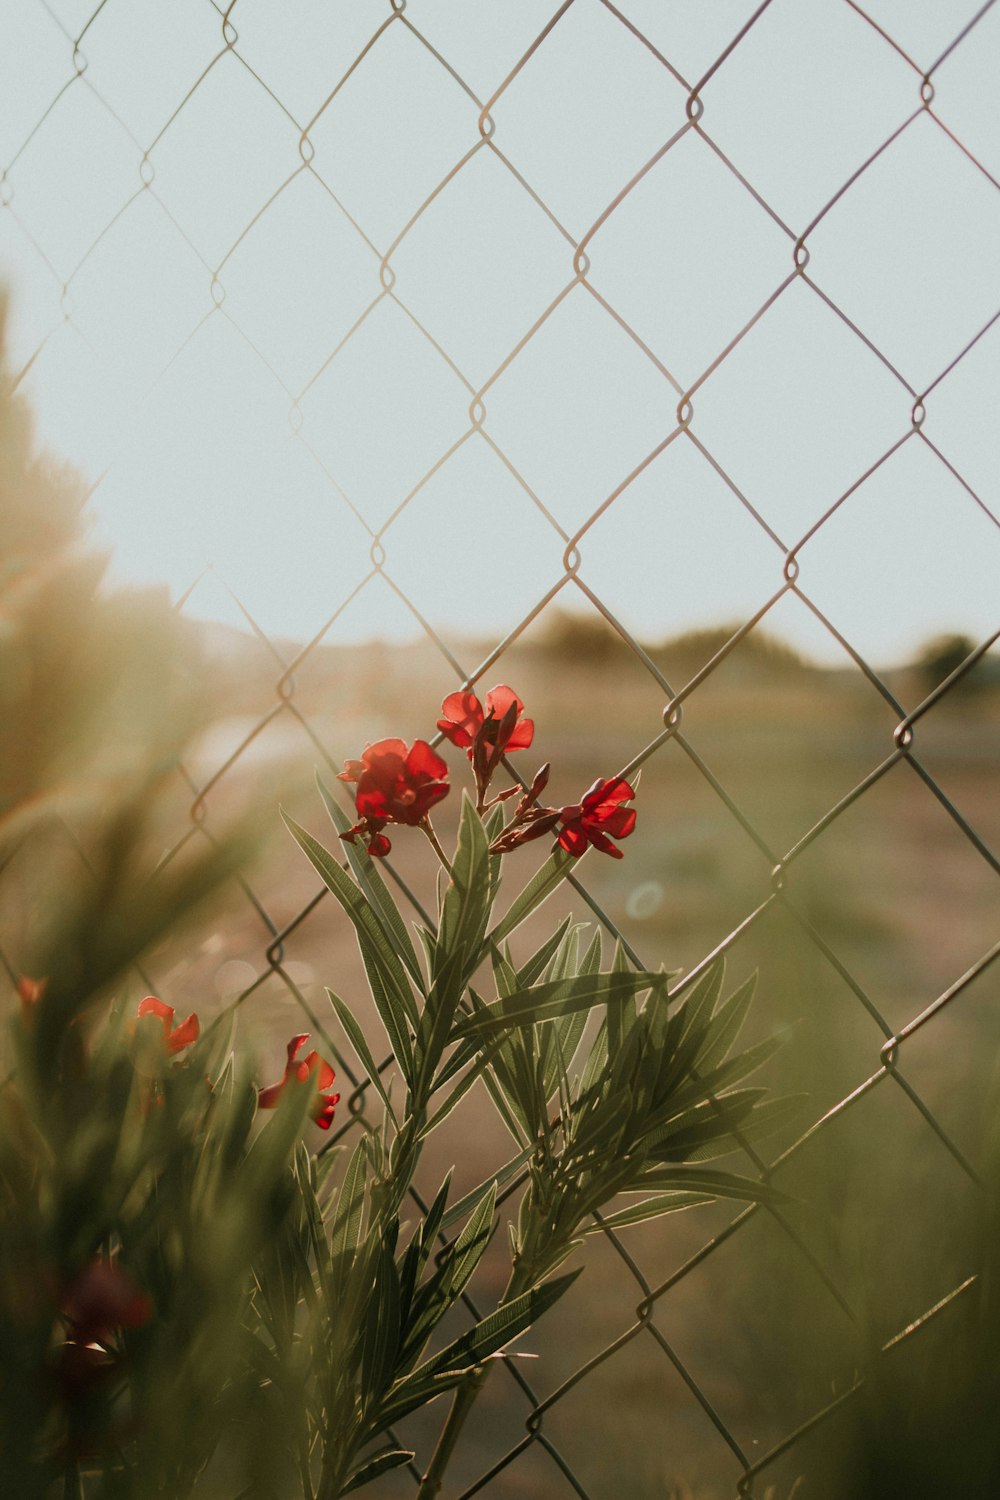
x=738 y=1459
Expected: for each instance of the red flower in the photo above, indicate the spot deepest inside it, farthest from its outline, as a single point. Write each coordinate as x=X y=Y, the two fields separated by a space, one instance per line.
x=301 y=1071
x=465 y=721
x=600 y=813
x=175 y=1038
x=395 y=785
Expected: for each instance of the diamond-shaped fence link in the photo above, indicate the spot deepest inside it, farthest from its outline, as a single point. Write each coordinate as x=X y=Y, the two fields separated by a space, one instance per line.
x=322 y=188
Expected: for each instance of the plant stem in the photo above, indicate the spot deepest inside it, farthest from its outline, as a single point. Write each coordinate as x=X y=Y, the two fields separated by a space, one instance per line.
x=465 y=1398
x=428 y=829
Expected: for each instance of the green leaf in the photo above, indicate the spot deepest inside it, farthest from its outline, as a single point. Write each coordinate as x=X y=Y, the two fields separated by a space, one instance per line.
x=596 y=1062
x=619 y=1018
x=406 y=1397
x=435 y=1219
x=351 y=1203
x=304 y=1174
x=734 y=1071
x=357 y=1040
x=649 y=1208
x=538 y=962
x=471 y=1243
x=371 y=882
x=562 y=997
x=375 y=946
x=392 y=1018
x=436 y=1021
x=596 y=1129
x=504 y=974
x=447 y=1368
x=702 y=1000
x=466 y=906
x=763 y=1120
x=539 y=887
x=709 y=1181
x=591 y=961
x=457 y=1266
x=373 y=1467
x=500 y=1328
x=499 y=1179
x=726 y=1026
x=382 y=1328
x=482 y=1063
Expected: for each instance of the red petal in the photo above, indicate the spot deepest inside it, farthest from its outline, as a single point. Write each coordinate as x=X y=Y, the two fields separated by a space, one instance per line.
x=353 y=770
x=463 y=710
x=422 y=761
x=326 y=1075
x=618 y=821
x=573 y=840
x=499 y=699
x=153 y=1007
x=324 y=1116
x=184 y=1034
x=268 y=1098
x=372 y=801
x=372 y=755
x=602 y=842
x=522 y=736
x=307 y=1065
x=604 y=792
x=379 y=846
x=455 y=732
x=429 y=795
x=296 y=1044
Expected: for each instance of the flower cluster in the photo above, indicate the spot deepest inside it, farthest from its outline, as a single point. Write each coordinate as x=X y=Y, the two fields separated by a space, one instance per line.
x=400 y=785
x=486 y=734
x=176 y=1038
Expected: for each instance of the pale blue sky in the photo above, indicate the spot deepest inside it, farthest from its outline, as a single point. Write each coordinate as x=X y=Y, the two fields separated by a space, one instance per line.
x=188 y=409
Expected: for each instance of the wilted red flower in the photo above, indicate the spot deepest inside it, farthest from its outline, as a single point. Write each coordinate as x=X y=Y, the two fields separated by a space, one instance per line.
x=597 y=818
x=101 y=1298
x=99 y=1301
x=175 y=1038
x=395 y=785
x=465 y=720
x=301 y=1071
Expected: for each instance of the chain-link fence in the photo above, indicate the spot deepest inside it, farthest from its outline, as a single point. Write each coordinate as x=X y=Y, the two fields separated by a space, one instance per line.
x=567 y=351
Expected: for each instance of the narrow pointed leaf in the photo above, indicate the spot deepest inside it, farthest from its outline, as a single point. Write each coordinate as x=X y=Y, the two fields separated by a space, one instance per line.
x=545 y=1002
x=357 y=1040
x=466 y=903
x=726 y=1026
x=498 y=1330
x=472 y=1242
x=351 y=1203
x=540 y=886
x=373 y=1467
x=375 y=946
x=370 y=880
x=707 y=1180
x=500 y=1179
x=537 y=963
x=649 y=1208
